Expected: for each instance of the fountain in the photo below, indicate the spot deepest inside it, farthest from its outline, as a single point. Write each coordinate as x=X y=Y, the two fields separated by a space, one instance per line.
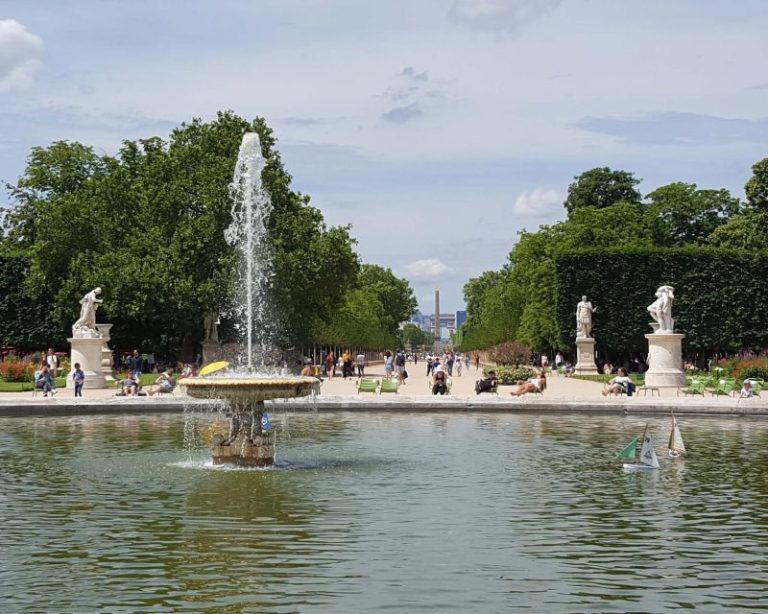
x=244 y=390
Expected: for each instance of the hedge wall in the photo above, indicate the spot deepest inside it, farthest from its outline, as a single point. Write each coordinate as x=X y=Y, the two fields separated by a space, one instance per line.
x=720 y=297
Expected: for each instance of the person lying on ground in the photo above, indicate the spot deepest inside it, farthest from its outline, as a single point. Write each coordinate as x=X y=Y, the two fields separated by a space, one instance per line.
x=163 y=384
x=487 y=384
x=535 y=384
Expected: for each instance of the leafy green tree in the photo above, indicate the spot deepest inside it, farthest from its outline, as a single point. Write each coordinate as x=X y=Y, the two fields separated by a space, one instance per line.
x=413 y=337
x=680 y=213
x=757 y=186
x=394 y=293
x=602 y=187
x=748 y=231
x=358 y=322
x=148 y=226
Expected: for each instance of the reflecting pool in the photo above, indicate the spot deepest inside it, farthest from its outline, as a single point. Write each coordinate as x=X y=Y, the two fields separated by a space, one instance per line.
x=383 y=512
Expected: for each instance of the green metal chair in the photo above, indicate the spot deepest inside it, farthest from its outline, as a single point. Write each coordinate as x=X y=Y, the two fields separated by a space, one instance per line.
x=726 y=386
x=367 y=384
x=697 y=386
x=757 y=386
x=389 y=384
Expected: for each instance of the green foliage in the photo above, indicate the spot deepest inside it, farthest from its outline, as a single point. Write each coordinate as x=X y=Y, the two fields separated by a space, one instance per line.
x=719 y=296
x=511 y=353
x=395 y=294
x=600 y=188
x=148 y=227
x=679 y=213
x=25 y=320
x=756 y=368
x=357 y=323
x=748 y=231
x=757 y=186
x=511 y=375
x=411 y=336
x=14 y=370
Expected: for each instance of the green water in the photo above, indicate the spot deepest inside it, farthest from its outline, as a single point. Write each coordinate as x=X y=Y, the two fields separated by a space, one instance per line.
x=383 y=513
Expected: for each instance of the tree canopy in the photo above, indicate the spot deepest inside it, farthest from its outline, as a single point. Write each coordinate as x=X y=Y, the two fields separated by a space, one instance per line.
x=601 y=187
x=147 y=225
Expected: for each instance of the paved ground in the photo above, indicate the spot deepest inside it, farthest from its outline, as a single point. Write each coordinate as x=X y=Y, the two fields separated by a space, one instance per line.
x=562 y=395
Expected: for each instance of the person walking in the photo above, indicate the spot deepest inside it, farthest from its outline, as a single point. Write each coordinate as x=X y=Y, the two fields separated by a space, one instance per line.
x=466 y=363
x=53 y=362
x=136 y=365
x=458 y=366
x=360 y=360
x=477 y=361
x=430 y=364
x=449 y=364
x=78 y=377
x=330 y=365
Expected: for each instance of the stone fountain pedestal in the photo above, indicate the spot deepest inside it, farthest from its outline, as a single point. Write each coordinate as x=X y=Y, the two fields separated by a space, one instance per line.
x=665 y=360
x=246 y=444
x=87 y=351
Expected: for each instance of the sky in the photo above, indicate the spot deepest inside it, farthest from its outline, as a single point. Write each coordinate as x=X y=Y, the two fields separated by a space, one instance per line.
x=438 y=129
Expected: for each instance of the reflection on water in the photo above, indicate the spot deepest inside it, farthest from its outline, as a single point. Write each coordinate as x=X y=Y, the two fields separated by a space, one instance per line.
x=380 y=512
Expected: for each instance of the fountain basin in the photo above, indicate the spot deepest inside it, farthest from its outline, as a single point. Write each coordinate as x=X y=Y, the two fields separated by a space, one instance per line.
x=247 y=443
x=249 y=389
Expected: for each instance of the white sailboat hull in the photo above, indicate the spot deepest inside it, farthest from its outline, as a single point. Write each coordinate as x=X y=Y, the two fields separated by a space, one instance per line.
x=630 y=467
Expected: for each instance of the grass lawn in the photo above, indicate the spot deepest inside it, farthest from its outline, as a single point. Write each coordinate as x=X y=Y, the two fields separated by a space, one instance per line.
x=61 y=382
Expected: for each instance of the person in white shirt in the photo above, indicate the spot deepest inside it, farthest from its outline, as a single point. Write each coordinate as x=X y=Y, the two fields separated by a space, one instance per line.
x=620 y=383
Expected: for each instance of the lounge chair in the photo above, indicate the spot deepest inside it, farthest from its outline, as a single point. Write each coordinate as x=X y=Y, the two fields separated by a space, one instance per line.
x=367 y=384
x=389 y=384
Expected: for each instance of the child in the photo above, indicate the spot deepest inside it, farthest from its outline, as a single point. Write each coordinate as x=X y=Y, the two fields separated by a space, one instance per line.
x=746 y=390
x=78 y=377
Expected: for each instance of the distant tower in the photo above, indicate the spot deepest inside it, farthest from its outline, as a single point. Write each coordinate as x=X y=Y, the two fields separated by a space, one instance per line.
x=437 y=315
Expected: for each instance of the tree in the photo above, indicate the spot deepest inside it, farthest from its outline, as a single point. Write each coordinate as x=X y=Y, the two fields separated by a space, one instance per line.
x=681 y=214
x=148 y=226
x=602 y=187
x=748 y=231
x=395 y=294
x=359 y=322
x=413 y=337
x=757 y=186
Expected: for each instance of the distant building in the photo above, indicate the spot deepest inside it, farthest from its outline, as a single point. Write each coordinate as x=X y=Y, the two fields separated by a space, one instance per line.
x=447 y=324
x=461 y=317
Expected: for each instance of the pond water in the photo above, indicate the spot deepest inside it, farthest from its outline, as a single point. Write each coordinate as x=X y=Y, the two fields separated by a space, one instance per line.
x=383 y=513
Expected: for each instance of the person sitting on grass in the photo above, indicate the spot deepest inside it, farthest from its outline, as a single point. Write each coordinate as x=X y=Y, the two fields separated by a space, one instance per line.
x=535 y=384
x=487 y=384
x=163 y=384
x=619 y=384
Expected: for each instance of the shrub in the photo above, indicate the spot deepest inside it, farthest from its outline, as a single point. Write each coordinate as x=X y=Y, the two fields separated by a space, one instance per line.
x=16 y=371
x=511 y=353
x=510 y=375
x=753 y=367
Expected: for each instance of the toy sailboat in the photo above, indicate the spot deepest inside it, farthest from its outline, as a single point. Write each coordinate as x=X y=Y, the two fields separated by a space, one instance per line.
x=676 y=445
x=647 y=460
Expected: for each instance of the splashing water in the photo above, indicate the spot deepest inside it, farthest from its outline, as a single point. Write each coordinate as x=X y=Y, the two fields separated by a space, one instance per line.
x=251 y=208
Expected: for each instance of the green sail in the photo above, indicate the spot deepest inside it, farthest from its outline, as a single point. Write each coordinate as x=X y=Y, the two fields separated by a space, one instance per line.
x=630 y=451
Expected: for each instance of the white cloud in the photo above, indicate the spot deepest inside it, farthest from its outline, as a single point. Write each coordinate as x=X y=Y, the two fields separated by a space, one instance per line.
x=20 y=53
x=425 y=270
x=539 y=202
x=500 y=15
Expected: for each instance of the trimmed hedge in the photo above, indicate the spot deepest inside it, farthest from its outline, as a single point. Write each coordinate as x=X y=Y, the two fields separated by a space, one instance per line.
x=720 y=296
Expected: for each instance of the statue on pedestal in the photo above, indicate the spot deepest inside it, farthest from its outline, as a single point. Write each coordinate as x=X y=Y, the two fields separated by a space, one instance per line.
x=661 y=310
x=85 y=326
x=584 y=311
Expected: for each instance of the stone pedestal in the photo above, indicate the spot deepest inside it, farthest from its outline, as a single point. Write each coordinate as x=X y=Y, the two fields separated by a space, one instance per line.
x=107 y=357
x=260 y=452
x=585 y=356
x=665 y=360
x=87 y=351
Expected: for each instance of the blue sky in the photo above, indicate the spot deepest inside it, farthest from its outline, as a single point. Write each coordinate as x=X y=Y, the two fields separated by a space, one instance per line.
x=437 y=128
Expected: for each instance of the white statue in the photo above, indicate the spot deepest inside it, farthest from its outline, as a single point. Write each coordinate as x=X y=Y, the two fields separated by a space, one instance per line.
x=86 y=324
x=661 y=309
x=211 y=325
x=584 y=311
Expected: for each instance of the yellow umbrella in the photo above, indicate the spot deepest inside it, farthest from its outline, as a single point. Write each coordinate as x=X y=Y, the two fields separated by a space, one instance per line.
x=213 y=367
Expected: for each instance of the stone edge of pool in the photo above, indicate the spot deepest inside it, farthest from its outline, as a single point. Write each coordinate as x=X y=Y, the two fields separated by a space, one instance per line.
x=718 y=407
